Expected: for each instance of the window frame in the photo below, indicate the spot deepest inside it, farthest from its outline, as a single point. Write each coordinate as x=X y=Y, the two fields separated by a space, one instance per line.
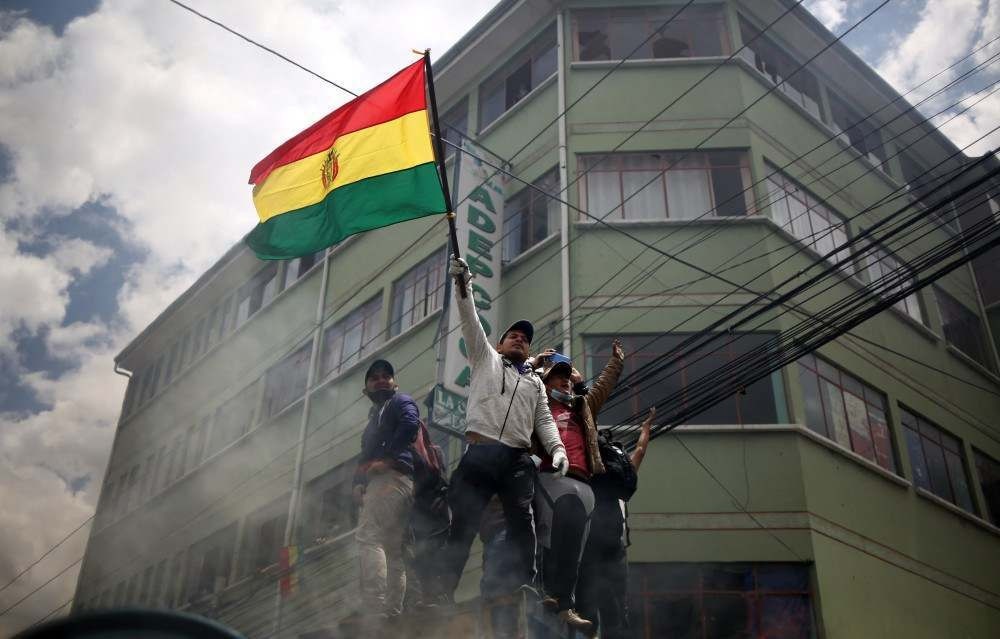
x=544 y=44
x=431 y=272
x=922 y=433
x=360 y=316
x=651 y=19
x=945 y=302
x=823 y=370
x=666 y=165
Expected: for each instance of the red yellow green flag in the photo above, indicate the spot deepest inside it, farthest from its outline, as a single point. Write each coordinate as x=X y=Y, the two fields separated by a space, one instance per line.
x=367 y=165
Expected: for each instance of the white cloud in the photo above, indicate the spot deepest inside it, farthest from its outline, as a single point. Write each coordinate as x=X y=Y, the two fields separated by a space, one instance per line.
x=990 y=25
x=832 y=13
x=983 y=115
x=944 y=33
x=160 y=115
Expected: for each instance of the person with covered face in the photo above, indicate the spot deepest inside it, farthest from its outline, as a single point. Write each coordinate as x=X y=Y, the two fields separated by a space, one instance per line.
x=383 y=489
x=507 y=405
x=564 y=503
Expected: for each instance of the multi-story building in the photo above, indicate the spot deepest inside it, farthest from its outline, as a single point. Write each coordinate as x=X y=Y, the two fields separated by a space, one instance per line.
x=853 y=493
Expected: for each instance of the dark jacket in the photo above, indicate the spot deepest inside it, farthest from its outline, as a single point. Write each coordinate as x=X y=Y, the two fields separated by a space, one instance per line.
x=392 y=428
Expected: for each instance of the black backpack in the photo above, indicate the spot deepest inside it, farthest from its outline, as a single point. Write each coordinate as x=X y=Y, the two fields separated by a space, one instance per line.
x=619 y=478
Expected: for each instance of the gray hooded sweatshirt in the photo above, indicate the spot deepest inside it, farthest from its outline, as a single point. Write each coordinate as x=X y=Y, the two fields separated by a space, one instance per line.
x=504 y=404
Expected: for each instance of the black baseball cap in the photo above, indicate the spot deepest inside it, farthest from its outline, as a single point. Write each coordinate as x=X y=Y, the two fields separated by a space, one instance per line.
x=380 y=364
x=562 y=368
x=522 y=325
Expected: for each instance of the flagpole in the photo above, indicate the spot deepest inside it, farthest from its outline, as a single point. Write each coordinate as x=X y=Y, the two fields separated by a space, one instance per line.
x=439 y=157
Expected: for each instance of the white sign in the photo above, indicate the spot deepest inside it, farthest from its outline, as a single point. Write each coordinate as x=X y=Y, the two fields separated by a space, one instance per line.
x=479 y=224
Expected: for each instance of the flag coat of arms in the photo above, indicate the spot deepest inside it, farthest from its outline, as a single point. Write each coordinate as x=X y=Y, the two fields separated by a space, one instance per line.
x=366 y=165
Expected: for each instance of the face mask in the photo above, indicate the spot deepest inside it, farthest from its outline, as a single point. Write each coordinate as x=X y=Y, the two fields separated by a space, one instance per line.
x=380 y=396
x=565 y=398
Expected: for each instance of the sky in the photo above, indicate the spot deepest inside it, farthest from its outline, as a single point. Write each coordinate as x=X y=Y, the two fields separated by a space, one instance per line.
x=127 y=131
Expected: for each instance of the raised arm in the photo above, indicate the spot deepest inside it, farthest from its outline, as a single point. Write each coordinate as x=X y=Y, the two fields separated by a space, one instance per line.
x=476 y=344
x=606 y=381
x=407 y=416
x=640 y=446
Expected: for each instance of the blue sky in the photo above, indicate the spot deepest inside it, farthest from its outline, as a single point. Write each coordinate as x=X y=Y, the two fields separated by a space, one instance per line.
x=123 y=162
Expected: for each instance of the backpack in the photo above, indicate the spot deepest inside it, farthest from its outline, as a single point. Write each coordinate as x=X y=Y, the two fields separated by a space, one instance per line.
x=619 y=478
x=430 y=487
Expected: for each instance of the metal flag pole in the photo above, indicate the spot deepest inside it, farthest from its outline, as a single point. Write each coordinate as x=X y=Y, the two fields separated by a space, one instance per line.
x=439 y=158
x=296 y=497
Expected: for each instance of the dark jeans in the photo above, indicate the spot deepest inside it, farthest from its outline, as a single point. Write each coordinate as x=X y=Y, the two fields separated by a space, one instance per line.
x=561 y=562
x=603 y=590
x=487 y=470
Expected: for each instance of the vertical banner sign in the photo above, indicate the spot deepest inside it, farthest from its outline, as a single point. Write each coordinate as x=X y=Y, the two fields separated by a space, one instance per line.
x=479 y=222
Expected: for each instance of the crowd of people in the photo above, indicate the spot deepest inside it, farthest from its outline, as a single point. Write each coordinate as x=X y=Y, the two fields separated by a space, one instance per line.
x=542 y=486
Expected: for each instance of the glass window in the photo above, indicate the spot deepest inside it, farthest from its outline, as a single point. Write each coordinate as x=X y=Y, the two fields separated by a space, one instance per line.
x=328 y=503
x=299 y=266
x=265 y=533
x=169 y=371
x=802 y=215
x=963 y=328
x=225 y=317
x=286 y=380
x=233 y=419
x=130 y=498
x=780 y=68
x=518 y=78
x=455 y=124
x=746 y=601
x=614 y=34
x=683 y=379
x=988 y=470
x=418 y=293
x=674 y=185
x=937 y=459
x=857 y=132
x=886 y=268
x=529 y=216
x=352 y=338
x=209 y=563
x=848 y=411
x=256 y=293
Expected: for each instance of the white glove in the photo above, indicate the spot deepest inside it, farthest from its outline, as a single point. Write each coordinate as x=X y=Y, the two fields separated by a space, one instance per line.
x=459 y=268
x=560 y=462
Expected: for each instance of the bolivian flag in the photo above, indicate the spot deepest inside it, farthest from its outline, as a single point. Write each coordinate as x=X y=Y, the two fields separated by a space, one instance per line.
x=367 y=165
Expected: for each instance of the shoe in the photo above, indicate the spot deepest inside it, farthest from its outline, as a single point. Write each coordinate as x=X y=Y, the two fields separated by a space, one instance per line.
x=575 y=621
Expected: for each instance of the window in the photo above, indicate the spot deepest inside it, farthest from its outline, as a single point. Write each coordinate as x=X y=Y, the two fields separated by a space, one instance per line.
x=962 y=328
x=679 y=379
x=774 y=64
x=286 y=380
x=148 y=476
x=154 y=479
x=988 y=470
x=673 y=185
x=454 y=125
x=233 y=419
x=184 y=357
x=518 y=78
x=352 y=338
x=929 y=189
x=265 y=533
x=197 y=451
x=803 y=216
x=842 y=408
x=256 y=293
x=209 y=563
x=418 y=293
x=530 y=216
x=712 y=600
x=886 y=268
x=613 y=34
x=328 y=503
x=225 y=317
x=296 y=268
x=937 y=460
x=857 y=132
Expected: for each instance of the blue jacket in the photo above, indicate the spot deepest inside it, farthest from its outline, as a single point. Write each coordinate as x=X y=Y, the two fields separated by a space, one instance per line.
x=391 y=430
